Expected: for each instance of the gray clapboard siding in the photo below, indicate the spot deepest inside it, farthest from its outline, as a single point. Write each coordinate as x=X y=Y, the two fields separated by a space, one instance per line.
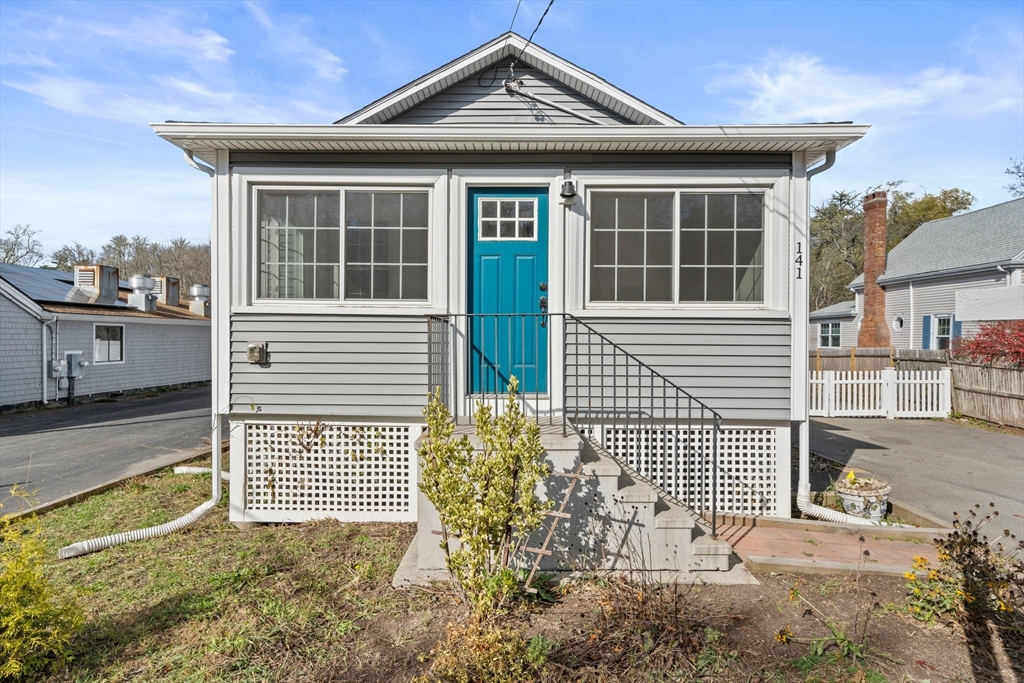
x=897 y=303
x=331 y=365
x=481 y=99
x=739 y=367
x=21 y=355
x=938 y=297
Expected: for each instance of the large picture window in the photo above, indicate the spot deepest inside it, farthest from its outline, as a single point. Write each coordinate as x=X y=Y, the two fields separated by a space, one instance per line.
x=676 y=247
x=342 y=244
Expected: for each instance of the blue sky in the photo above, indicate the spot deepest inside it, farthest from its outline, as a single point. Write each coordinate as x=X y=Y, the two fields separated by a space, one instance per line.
x=942 y=83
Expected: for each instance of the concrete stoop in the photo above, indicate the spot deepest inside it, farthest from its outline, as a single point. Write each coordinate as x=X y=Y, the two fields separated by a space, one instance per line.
x=617 y=524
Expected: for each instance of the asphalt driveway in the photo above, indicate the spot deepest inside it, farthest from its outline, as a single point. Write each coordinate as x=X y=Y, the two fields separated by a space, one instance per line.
x=64 y=451
x=937 y=466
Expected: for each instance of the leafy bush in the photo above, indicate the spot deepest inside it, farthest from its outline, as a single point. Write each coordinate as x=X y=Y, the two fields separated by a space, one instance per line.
x=37 y=622
x=485 y=498
x=474 y=653
x=1001 y=342
x=974 y=575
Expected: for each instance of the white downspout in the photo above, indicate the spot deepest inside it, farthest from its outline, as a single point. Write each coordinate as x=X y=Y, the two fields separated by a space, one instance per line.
x=47 y=356
x=92 y=545
x=803 y=491
x=217 y=477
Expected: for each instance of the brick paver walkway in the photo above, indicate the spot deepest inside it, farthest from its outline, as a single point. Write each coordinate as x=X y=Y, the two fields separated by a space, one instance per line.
x=827 y=550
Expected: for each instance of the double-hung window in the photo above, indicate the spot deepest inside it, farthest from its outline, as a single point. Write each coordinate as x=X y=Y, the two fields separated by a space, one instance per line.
x=676 y=247
x=828 y=335
x=108 y=344
x=342 y=245
x=943 y=331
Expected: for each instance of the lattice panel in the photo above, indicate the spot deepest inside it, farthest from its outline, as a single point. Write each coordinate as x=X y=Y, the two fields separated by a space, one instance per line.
x=365 y=469
x=680 y=462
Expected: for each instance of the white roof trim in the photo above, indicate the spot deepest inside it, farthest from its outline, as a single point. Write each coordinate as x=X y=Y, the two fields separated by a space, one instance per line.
x=203 y=139
x=587 y=84
x=22 y=301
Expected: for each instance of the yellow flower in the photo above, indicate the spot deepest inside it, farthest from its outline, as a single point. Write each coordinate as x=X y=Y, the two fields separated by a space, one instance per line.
x=784 y=635
x=910 y=575
x=932 y=575
x=920 y=562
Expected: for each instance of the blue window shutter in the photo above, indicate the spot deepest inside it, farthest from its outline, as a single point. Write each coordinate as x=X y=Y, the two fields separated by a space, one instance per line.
x=957 y=328
x=926 y=332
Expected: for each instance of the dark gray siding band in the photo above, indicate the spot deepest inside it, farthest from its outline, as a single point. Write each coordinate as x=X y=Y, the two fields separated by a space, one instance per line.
x=576 y=160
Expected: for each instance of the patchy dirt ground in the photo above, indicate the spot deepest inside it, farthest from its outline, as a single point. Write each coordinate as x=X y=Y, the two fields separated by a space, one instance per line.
x=313 y=602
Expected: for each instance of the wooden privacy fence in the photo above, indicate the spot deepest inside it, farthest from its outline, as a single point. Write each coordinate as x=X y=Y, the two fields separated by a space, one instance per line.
x=880 y=393
x=989 y=392
x=857 y=359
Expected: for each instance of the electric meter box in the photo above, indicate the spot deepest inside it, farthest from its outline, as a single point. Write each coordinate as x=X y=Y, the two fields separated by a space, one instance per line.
x=58 y=368
x=74 y=361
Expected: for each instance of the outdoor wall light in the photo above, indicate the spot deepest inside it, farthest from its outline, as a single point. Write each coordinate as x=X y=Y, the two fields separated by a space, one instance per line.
x=568 y=193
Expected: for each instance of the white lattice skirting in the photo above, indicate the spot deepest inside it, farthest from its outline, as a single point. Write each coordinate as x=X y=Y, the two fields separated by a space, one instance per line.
x=750 y=477
x=346 y=471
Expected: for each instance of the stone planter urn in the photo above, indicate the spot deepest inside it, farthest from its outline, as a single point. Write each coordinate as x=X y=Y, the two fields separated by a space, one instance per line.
x=867 y=498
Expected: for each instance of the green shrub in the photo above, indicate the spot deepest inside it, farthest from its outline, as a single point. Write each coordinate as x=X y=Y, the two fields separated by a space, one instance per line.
x=37 y=622
x=485 y=498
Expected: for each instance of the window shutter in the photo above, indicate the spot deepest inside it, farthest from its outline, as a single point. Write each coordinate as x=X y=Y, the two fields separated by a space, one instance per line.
x=926 y=332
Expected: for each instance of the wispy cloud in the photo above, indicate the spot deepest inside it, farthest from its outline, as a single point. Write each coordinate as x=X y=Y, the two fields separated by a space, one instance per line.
x=156 y=64
x=287 y=37
x=789 y=87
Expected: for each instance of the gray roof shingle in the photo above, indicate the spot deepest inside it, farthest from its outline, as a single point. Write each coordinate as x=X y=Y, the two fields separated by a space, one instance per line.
x=839 y=310
x=987 y=236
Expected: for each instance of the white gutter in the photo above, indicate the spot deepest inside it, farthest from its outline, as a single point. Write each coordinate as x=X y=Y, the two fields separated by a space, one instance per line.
x=830 y=160
x=191 y=161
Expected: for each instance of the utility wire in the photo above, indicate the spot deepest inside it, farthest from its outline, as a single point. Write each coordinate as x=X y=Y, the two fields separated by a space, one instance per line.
x=494 y=76
x=530 y=40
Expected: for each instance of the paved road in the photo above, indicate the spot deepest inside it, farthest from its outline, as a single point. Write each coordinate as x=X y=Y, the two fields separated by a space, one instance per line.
x=936 y=466
x=63 y=451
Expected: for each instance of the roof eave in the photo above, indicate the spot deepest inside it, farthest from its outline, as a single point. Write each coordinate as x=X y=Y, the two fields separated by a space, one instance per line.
x=202 y=138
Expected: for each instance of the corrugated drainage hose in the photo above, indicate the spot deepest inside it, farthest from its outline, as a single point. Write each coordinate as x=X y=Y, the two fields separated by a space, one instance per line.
x=804 y=504
x=92 y=545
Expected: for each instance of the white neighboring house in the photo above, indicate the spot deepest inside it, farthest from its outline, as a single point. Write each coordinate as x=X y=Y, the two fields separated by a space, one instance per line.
x=90 y=328
x=942 y=282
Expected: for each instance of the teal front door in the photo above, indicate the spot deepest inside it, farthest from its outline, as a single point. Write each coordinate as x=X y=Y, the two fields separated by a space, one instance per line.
x=508 y=290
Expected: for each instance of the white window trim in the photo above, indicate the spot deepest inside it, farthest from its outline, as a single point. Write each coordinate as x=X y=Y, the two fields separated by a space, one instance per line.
x=935 y=330
x=653 y=186
x=245 y=252
x=94 y=340
x=830 y=335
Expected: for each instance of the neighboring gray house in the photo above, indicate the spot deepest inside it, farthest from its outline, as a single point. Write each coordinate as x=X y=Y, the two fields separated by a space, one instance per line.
x=59 y=328
x=943 y=281
x=645 y=280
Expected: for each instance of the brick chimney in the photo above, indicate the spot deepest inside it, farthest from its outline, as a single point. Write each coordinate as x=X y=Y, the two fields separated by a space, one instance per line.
x=874 y=331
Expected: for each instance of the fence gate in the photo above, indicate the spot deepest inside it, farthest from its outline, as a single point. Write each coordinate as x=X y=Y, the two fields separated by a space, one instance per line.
x=880 y=393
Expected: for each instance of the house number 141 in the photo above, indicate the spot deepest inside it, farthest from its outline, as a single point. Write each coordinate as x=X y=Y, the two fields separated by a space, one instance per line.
x=799 y=261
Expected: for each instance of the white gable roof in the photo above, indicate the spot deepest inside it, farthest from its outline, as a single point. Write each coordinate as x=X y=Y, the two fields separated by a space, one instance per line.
x=510 y=44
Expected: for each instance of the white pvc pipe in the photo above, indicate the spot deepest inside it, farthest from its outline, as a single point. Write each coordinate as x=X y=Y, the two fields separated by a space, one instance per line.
x=92 y=545
x=803 y=491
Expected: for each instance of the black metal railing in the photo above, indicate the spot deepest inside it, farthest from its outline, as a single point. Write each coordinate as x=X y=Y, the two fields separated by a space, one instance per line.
x=480 y=353
x=641 y=418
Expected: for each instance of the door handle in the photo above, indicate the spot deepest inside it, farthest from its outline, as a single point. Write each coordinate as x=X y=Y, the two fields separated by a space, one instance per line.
x=544 y=311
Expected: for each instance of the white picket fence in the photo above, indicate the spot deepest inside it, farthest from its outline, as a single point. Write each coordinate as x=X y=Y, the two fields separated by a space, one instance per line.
x=880 y=393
